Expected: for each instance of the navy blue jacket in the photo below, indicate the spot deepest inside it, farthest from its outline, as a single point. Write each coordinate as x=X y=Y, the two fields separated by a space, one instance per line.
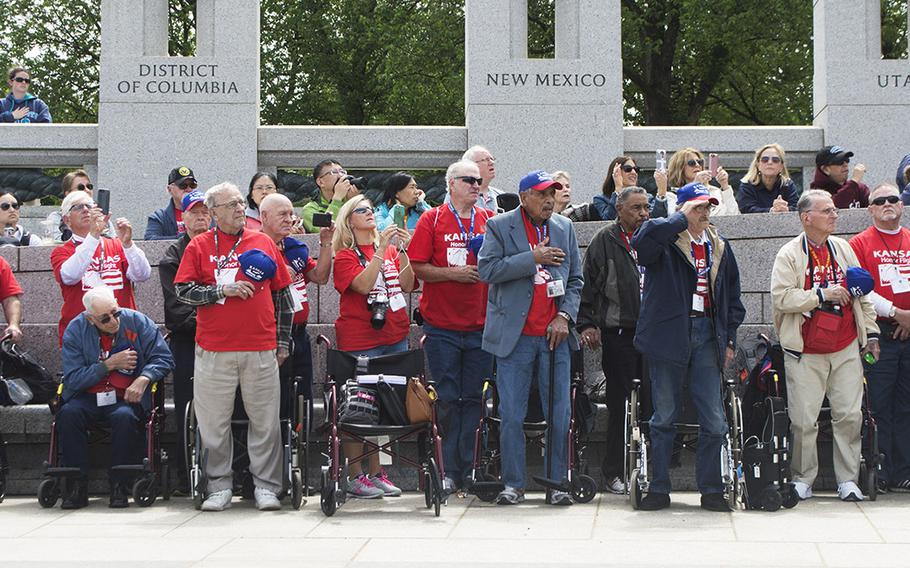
x=162 y=224
x=903 y=186
x=754 y=198
x=37 y=110
x=663 y=322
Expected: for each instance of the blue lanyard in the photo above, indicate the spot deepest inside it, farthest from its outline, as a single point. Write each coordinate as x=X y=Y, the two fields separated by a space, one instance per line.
x=708 y=259
x=467 y=236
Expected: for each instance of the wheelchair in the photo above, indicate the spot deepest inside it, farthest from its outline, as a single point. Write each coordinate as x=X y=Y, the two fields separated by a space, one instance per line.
x=152 y=477
x=342 y=367
x=4 y=468
x=295 y=420
x=638 y=444
x=485 y=475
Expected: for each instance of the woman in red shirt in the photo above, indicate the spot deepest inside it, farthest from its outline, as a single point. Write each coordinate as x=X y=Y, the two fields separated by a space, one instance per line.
x=372 y=274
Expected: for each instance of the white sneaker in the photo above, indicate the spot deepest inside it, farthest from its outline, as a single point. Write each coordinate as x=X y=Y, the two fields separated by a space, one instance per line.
x=218 y=501
x=848 y=491
x=266 y=500
x=616 y=485
x=803 y=490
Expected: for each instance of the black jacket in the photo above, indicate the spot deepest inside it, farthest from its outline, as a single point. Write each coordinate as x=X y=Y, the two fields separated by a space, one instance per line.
x=611 y=296
x=179 y=318
x=754 y=198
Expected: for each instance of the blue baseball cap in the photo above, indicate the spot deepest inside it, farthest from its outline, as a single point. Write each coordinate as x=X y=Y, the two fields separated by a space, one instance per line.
x=859 y=281
x=475 y=243
x=538 y=180
x=694 y=192
x=192 y=198
x=297 y=253
x=256 y=265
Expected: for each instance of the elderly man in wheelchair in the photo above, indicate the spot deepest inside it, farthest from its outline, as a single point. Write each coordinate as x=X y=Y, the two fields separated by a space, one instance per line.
x=110 y=357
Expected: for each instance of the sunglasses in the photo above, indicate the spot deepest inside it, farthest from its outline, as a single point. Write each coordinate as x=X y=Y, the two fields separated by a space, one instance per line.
x=80 y=206
x=84 y=186
x=106 y=318
x=362 y=210
x=892 y=199
x=5 y=206
x=630 y=169
x=693 y=163
x=25 y=80
x=470 y=180
x=774 y=159
x=188 y=185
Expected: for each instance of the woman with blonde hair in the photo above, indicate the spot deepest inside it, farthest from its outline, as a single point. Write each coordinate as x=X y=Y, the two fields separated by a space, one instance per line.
x=688 y=165
x=767 y=185
x=372 y=273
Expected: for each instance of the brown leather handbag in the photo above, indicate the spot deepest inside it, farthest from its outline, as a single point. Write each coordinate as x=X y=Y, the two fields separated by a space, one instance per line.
x=418 y=402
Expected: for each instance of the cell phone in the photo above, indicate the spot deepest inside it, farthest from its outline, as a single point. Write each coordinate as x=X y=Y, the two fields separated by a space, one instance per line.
x=660 y=160
x=322 y=219
x=103 y=200
x=712 y=164
x=398 y=217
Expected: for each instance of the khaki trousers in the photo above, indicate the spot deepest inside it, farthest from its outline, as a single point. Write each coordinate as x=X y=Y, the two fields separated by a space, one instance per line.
x=809 y=379
x=217 y=376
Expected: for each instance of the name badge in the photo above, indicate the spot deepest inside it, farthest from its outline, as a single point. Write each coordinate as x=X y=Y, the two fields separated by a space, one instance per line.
x=397 y=302
x=698 y=303
x=555 y=288
x=900 y=285
x=297 y=297
x=224 y=277
x=91 y=279
x=106 y=398
x=457 y=256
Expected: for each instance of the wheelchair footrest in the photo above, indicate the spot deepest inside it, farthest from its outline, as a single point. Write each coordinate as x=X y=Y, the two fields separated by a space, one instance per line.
x=63 y=472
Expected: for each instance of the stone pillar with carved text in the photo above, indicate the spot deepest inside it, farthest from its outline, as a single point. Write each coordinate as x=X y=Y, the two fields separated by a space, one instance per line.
x=564 y=113
x=157 y=112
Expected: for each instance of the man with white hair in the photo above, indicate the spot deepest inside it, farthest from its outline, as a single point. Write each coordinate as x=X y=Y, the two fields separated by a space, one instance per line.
x=110 y=357
x=89 y=260
x=487 y=165
x=244 y=312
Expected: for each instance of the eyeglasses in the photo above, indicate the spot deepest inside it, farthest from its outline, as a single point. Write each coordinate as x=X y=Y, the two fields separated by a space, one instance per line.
x=892 y=199
x=231 y=204
x=84 y=186
x=488 y=159
x=693 y=163
x=6 y=205
x=188 y=185
x=630 y=169
x=80 y=206
x=25 y=80
x=830 y=211
x=470 y=180
x=773 y=159
x=106 y=318
x=840 y=163
x=336 y=171
x=264 y=188
x=362 y=210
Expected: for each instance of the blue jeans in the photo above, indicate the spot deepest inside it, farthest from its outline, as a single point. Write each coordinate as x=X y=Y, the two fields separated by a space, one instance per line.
x=383 y=349
x=458 y=366
x=513 y=382
x=889 y=391
x=82 y=411
x=704 y=375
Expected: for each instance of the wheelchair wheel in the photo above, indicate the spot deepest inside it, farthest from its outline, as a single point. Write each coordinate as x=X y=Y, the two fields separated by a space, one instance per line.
x=485 y=491
x=296 y=489
x=165 y=479
x=2 y=486
x=634 y=490
x=427 y=489
x=789 y=496
x=144 y=493
x=771 y=499
x=327 y=496
x=868 y=480
x=436 y=487
x=48 y=492
x=584 y=488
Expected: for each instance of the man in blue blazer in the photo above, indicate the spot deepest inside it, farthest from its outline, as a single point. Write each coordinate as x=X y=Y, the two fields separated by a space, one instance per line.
x=530 y=259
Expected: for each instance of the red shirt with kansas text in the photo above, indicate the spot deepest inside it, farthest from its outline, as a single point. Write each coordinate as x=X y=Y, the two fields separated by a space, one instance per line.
x=108 y=267
x=887 y=258
x=235 y=324
x=439 y=241
x=823 y=270
x=543 y=309
x=298 y=283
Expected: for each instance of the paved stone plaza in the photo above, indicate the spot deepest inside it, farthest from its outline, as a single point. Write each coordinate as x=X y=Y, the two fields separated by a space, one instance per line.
x=401 y=533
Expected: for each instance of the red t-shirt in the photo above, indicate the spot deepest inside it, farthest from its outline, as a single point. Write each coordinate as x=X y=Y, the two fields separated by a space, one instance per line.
x=181 y=228
x=543 y=309
x=824 y=270
x=9 y=286
x=108 y=266
x=440 y=241
x=298 y=285
x=234 y=324
x=887 y=258
x=352 y=328
x=702 y=272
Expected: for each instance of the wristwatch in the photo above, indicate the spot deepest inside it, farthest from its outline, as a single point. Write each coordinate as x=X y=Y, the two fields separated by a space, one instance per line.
x=893 y=311
x=565 y=315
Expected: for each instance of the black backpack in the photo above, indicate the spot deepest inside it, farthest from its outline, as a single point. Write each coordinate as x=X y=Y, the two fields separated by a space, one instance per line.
x=15 y=363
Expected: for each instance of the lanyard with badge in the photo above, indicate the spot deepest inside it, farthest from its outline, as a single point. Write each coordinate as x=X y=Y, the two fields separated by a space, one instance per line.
x=396 y=301
x=891 y=273
x=555 y=288
x=698 y=300
x=109 y=395
x=627 y=237
x=459 y=256
x=223 y=279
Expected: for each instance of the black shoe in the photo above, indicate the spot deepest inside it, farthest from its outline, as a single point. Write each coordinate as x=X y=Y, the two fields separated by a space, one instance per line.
x=119 y=499
x=654 y=502
x=714 y=502
x=76 y=494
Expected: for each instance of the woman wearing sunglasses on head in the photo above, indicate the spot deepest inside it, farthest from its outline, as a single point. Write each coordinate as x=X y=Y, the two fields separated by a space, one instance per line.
x=688 y=165
x=767 y=185
x=624 y=173
x=20 y=105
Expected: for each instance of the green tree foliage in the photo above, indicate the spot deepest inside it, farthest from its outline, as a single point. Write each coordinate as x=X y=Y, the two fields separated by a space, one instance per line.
x=894 y=29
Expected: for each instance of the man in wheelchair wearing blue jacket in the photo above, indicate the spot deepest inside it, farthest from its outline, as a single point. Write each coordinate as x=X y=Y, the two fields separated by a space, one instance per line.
x=110 y=357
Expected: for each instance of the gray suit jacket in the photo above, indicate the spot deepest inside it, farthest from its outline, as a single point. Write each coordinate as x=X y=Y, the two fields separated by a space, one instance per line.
x=506 y=263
